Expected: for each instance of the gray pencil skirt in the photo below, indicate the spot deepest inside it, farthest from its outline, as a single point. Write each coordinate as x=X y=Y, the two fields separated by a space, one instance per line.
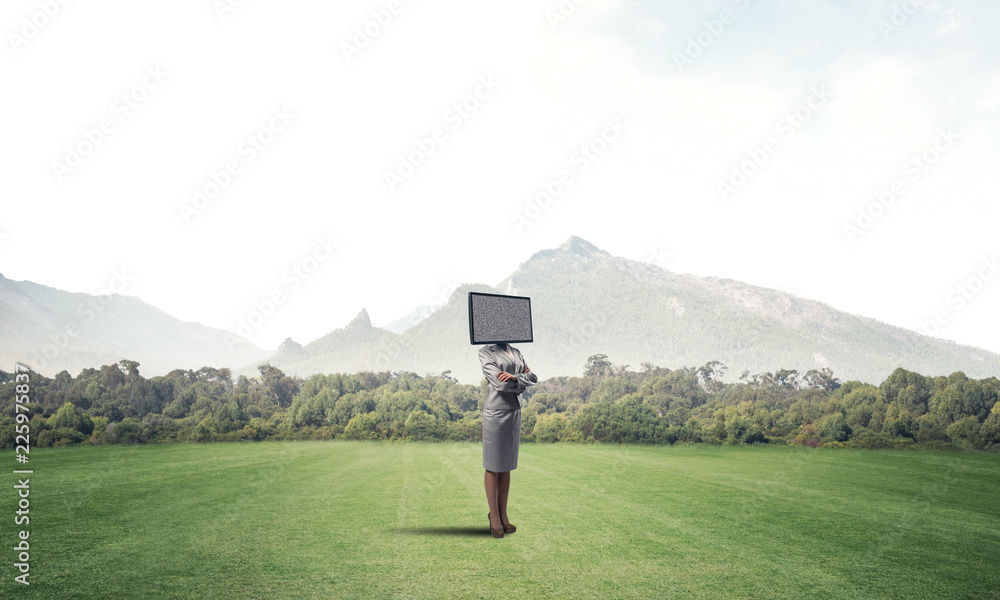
x=501 y=439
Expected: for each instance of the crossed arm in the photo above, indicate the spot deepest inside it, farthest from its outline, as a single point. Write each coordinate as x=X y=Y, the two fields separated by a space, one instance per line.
x=503 y=381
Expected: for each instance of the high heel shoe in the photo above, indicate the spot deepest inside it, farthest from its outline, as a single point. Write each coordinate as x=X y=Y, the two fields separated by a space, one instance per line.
x=508 y=528
x=497 y=533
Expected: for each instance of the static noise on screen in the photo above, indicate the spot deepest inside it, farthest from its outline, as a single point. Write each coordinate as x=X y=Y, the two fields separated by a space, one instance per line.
x=495 y=318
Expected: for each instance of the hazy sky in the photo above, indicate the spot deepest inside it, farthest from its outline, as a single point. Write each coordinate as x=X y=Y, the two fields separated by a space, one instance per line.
x=376 y=154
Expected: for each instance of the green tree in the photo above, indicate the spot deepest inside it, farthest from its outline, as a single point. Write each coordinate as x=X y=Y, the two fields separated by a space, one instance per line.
x=611 y=389
x=834 y=427
x=711 y=375
x=911 y=390
x=256 y=429
x=280 y=387
x=822 y=379
x=363 y=426
x=965 y=433
x=597 y=365
x=898 y=422
x=990 y=431
x=550 y=427
x=68 y=417
x=421 y=426
x=205 y=430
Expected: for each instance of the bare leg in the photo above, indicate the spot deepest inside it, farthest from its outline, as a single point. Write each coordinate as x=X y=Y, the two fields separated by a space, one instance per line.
x=503 y=490
x=490 y=481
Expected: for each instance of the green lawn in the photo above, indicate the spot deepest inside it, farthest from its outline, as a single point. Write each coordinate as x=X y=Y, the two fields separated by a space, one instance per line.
x=379 y=520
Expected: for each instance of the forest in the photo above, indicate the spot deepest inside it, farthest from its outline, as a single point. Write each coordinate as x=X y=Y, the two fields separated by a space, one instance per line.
x=607 y=404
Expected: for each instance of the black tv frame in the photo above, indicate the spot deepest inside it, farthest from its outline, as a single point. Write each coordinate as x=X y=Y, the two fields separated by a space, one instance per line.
x=471 y=338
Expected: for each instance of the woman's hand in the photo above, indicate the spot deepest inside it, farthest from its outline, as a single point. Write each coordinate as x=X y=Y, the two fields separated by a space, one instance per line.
x=504 y=376
x=526 y=369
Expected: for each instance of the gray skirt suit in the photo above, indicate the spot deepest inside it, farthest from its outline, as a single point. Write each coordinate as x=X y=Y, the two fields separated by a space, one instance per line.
x=502 y=409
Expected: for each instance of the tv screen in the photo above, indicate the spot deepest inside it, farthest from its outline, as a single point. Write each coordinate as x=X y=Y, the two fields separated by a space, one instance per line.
x=497 y=318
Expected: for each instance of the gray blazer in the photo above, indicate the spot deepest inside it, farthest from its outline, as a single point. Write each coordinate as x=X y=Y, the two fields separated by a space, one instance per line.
x=504 y=394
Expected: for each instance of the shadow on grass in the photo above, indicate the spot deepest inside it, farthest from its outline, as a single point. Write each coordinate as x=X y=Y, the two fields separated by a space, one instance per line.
x=453 y=531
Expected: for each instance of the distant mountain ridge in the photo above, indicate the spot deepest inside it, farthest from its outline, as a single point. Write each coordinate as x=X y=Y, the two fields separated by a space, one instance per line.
x=586 y=301
x=51 y=330
x=402 y=324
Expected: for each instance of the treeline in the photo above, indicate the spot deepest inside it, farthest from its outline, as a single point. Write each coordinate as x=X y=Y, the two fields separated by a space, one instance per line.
x=117 y=405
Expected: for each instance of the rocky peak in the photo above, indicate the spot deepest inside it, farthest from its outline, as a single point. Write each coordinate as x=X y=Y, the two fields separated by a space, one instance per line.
x=578 y=245
x=360 y=322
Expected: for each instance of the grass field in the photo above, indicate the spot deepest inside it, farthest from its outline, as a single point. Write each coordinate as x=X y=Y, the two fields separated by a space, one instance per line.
x=378 y=520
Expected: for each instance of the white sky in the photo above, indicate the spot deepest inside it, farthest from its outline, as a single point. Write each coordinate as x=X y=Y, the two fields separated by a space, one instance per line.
x=878 y=97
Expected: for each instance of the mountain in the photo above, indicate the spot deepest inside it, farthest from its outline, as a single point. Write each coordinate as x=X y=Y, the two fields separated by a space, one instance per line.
x=358 y=346
x=52 y=330
x=402 y=324
x=586 y=301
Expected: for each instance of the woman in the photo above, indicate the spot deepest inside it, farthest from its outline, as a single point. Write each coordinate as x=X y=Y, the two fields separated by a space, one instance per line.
x=507 y=376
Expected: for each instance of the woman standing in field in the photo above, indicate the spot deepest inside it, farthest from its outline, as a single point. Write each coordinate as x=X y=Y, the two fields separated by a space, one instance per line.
x=507 y=376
